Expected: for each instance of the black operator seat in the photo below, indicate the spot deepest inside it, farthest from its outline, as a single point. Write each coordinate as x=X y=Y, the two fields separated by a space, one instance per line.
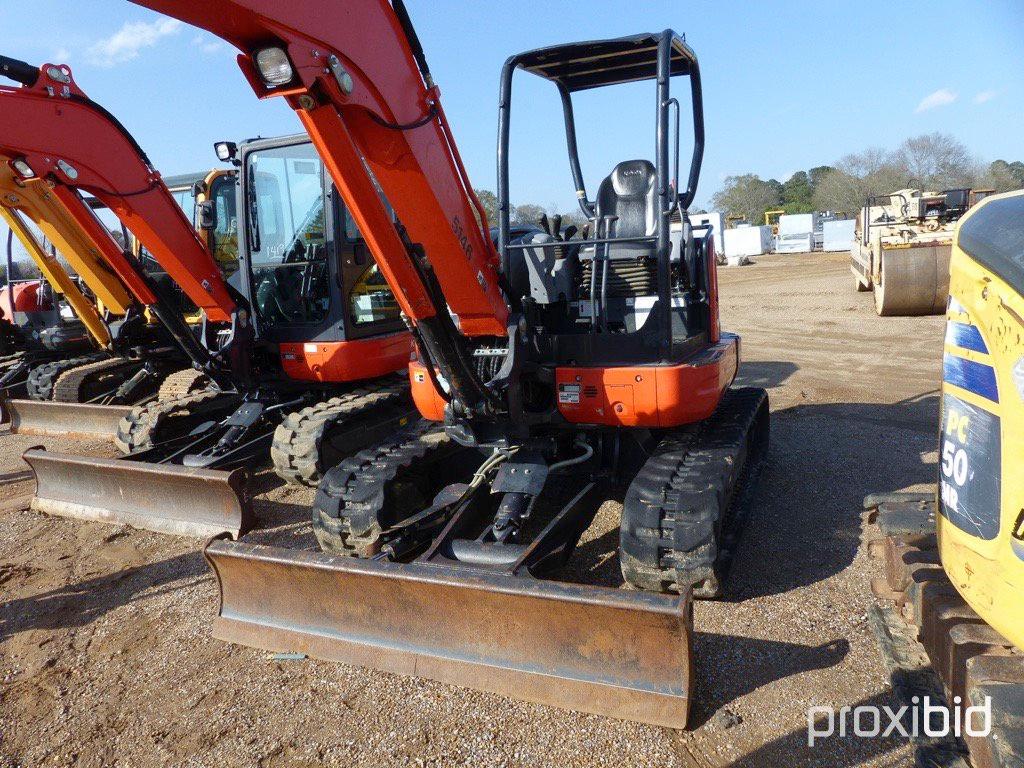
x=630 y=193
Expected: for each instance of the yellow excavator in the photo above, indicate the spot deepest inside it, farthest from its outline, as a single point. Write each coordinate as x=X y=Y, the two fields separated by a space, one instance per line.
x=127 y=365
x=955 y=559
x=33 y=214
x=981 y=528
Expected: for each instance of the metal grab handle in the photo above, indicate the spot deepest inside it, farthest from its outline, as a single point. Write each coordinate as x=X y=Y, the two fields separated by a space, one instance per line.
x=19 y=71
x=674 y=102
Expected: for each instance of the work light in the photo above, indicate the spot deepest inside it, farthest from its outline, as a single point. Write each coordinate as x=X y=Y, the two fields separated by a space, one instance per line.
x=274 y=66
x=226 y=150
x=23 y=168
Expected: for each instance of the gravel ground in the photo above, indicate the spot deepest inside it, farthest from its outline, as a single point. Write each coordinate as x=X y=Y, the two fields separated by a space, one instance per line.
x=106 y=656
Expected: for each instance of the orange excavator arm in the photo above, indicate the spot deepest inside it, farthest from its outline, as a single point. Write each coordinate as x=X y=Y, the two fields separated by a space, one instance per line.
x=356 y=76
x=54 y=131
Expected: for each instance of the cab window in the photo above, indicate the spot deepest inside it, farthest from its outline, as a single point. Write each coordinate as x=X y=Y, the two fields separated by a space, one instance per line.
x=371 y=299
x=225 y=232
x=289 y=249
x=993 y=236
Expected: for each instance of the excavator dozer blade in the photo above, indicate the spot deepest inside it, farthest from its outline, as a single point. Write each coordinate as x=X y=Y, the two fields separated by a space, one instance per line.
x=77 y=420
x=183 y=501
x=610 y=652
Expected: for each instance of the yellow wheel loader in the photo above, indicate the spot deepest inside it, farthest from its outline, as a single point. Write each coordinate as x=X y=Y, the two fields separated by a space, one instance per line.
x=955 y=560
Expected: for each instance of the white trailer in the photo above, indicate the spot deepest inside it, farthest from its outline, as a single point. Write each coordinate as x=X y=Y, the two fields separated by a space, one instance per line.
x=744 y=242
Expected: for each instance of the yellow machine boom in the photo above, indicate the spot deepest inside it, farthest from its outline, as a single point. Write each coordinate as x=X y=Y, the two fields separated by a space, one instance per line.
x=31 y=201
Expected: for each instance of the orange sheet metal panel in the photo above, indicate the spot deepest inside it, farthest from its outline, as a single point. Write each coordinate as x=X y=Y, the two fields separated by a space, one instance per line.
x=338 y=361
x=652 y=395
x=428 y=401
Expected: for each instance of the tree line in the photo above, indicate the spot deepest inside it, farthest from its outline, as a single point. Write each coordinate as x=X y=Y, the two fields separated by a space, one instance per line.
x=932 y=162
x=526 y=214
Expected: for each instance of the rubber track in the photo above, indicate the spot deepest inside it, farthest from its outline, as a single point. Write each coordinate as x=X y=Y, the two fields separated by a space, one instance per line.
x=183 y=383
x=685 y=508
x=42 y=378
x=136 y=430
x=348 y=504
x=68 y=386
x=295 y=450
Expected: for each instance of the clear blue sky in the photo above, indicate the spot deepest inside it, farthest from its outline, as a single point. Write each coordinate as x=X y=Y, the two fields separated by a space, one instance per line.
x=787 y=85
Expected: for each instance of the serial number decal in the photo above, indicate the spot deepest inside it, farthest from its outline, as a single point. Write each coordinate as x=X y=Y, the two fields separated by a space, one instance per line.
x=969 y=467
x=460 y=233
x=569 y=393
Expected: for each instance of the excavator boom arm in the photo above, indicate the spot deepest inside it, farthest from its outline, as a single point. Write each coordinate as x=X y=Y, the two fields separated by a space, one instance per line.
x=359 y=83
x=57 y=133
x=35 y=201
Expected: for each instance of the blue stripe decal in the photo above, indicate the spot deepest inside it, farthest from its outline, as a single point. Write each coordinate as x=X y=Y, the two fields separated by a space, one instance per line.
x=953 y=305
x=974 y=377
x=966 y=337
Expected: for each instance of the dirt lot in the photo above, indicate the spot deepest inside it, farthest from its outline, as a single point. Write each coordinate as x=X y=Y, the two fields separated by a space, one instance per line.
x=106 y=658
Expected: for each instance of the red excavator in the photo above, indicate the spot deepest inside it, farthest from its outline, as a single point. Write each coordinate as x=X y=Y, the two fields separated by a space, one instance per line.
x=285 y=368
x=549 y=369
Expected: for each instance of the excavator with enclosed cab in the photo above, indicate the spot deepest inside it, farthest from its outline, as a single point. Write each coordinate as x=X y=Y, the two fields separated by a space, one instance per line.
x=284 y=367
x=37 y=326
x=549 y=370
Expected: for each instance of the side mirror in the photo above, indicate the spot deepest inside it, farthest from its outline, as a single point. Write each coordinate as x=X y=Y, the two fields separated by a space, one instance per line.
x=207 y=215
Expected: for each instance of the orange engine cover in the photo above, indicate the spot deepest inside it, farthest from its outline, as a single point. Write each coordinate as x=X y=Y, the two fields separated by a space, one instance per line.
x=650 y=395
x=655 y=396
x=338 y=361
x=26 y=299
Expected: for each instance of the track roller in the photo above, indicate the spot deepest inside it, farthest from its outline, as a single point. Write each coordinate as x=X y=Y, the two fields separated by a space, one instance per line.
x=379 y=486
x=183 y=383
x=148 y=425
x=89 y=382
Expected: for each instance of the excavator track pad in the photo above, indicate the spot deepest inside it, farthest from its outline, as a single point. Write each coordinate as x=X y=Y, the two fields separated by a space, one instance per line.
x=184 y=501
x=612 y=652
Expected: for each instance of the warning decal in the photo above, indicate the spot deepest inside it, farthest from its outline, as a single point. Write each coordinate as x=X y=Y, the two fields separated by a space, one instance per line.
x=969 y=467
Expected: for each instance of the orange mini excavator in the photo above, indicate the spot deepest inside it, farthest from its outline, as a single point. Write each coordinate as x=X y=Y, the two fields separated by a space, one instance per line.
x=294 y=358
x=548 y=369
